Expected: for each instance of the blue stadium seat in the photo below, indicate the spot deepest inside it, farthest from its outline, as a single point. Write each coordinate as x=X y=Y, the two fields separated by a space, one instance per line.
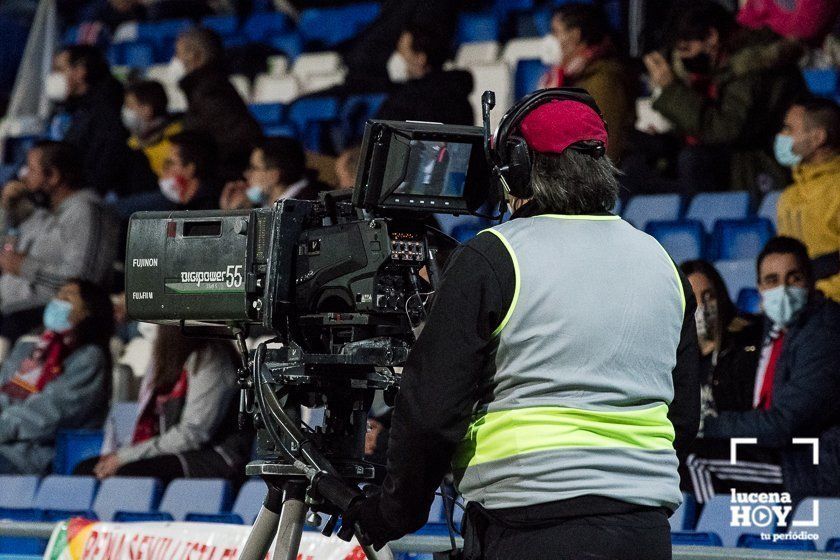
x=289 y=44
x=223 y=25
x=280 y=131
x=74 y=446
x=694 y=538
x=822 y=81
x=645 y=208
x=682 y=239
x=749 y=301
x=503 y=8
x=133 y=517
x=716 y=517
x=61 y=493
x=527 y=77
x=228 y=518
x=7 y=173
x=17 y=491
x=711 y=207
x=126 y=494
x=683 y=518
x=22 y=545
x=535 y=24
x=833 y=545
x=355 y=111
x=309 y=114
x=249 y=500
x=756 y=542
x=162 y=35
x=16 y=149
x=137 y=54
x=436 y=512
x=767 y=208
x=741 y=239
x=475 y=27
x=267 y=113
x=737 y=275
x=326 y=27
x=183 y=496
x=829 y=517
x=260 y=27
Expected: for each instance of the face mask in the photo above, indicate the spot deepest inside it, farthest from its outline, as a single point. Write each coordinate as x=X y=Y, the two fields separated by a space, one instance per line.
x=698 y=64
x=56 y=87
x=256 y=194
x=39 y=199
x=397 y=68
x=172 y=189
x=177 y=70
x=551 y=53
x=783 y=150
x=705 y=318
x=783 y=303
x=57 y=316
x=131 y=120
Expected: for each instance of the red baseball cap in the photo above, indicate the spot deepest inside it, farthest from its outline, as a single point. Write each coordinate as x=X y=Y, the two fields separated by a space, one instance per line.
x=554 y=126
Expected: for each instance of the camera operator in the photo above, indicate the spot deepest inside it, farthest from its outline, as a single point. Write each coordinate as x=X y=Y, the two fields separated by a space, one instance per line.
x=557 y=370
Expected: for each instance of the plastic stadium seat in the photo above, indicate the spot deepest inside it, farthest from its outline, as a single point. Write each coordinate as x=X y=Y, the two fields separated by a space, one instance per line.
x=269 y=89
x=711 y=207
x=822 y=81
x=137 y=54
x=289 y=44
x=117 y=493
x=496 y=77
x=503 y=8
x=159 y=73
x=162 y=36
x=308 y=64
x=260 y=27
x=645 y=208
x=132 y=517
x=65 y=493
x=223 y=25
x=683 y=239
x=536 y=24
x=267 y=113
x=481 y=52
x=737 y=275
x=749 y=301
x=683 y=518
x=767 y=208
x=183 y=496
x=17 y=491
x=22 y=545
x=74 y=446
x=829 y=514
x=249 y=500
x=717 y=518
x=355 y=111
x=436 y=512
x=693 y=538
x=242 y=85
x=756 y=542
x=121 y=420
x=833 y=545
x=309 y=114
x=521 y=49
x=329 y=26
x=177 y=99
x=280 y=130
x=527 y=78
x=474 y=27
x=228 y=518
x=741 y=239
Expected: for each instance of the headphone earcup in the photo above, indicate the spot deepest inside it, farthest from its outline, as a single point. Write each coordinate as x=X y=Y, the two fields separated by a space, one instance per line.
x=518 y=164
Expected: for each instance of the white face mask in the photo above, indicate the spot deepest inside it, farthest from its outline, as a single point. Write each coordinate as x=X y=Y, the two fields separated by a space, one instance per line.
x=550 y=52
x=131 y=120
x=169 y=188
x=177 y=70
x=56 y=87
x=397 y=68
x=256 y=194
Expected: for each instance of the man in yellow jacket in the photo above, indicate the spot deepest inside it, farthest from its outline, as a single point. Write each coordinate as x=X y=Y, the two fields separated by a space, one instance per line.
x=809 y=209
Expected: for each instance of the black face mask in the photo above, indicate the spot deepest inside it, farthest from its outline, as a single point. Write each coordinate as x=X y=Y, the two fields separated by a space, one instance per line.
x=39 y=199
x=699 y=64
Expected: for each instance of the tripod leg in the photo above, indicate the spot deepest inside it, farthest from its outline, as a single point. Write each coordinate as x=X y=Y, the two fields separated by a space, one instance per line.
x=265 y=526
x=292 y=517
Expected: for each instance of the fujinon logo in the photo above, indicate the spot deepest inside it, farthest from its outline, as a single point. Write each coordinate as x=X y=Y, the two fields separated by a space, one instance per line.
x=771 y=509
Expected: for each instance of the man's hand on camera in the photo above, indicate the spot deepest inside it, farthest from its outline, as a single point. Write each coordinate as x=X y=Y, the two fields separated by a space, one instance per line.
x=367 y=517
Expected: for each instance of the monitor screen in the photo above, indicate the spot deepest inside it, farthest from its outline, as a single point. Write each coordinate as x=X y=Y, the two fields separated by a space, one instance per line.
x=436 y=168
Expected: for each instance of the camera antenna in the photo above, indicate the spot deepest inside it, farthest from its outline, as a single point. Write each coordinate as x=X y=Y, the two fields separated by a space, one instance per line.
x=488 y=102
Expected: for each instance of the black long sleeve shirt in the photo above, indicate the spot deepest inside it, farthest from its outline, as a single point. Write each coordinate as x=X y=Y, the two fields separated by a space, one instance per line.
x=442 y=380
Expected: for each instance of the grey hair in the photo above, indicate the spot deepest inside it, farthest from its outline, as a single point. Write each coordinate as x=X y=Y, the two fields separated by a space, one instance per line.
x=574 y=183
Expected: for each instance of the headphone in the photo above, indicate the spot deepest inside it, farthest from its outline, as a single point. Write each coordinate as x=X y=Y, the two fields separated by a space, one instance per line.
x=511 y=156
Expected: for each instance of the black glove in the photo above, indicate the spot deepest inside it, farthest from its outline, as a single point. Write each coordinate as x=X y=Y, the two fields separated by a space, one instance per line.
x=367 y=517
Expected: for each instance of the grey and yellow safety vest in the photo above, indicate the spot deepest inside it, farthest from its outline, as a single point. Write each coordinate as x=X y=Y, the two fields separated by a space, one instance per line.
x=580 y=377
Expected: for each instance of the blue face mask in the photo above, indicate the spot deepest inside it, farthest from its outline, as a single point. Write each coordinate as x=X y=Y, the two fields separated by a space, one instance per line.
x=256 y=195
x=783 y=150
x=783 y=303
x=57 y=316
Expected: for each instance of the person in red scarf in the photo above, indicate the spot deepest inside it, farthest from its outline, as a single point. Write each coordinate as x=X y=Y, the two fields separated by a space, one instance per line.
x=187 y=421
x=60 y=381
x=584 y=56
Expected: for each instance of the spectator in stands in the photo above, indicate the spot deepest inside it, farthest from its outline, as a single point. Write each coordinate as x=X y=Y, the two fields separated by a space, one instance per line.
x=60 y=381
x=809 y=209
x=729 y=107
x=277 y=171
x=427 y=92
x=69 y=234
x=796 y=385
x=187 y=421
x=346 y=167
x=189 y=172
x=213 y=104
x=89 y=101
x=808 y=20
x=728 y=365
x=588 y=59
x=145 y=116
